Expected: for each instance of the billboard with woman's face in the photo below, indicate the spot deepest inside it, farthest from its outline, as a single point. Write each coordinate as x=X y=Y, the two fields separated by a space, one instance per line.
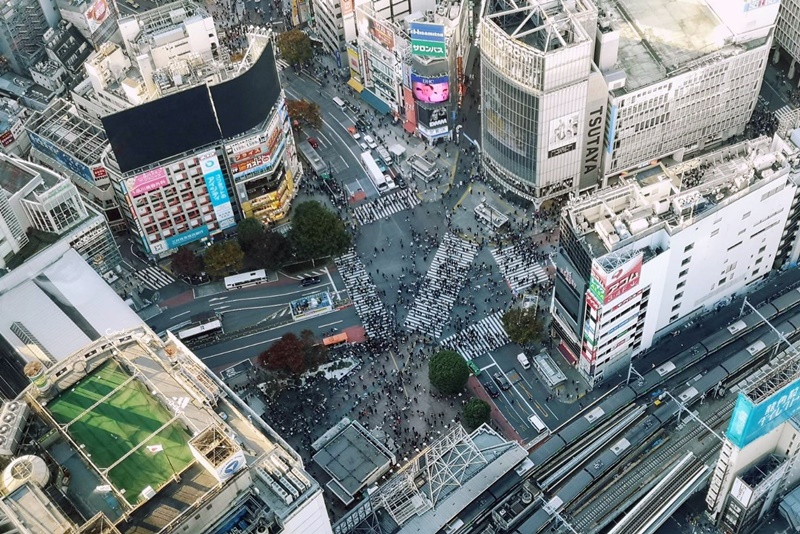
x=431 y=90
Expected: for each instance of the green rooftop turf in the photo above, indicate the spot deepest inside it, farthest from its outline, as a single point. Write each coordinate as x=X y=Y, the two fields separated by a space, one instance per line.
x=118 y=424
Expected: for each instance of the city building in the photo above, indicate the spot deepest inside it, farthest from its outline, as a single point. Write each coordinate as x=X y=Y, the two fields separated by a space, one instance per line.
x=39 y=207
x=787 y=32
x=203 y=154
x=686 y=87
x=96 y=20
x=759 y=461
x=66 y=47
x=165 y=446
x=50 y=75
x=334 y=24
x=447 y=486
x=668 y=244
x=13 y=137
x=79 y=150
x=542 y=101
x=22 y=24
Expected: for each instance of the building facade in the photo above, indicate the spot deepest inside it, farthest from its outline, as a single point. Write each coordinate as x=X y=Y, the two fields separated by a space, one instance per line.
x=22 y=25
x=13 y=137
x=96 y=20
x=667 y=245
x=787 y=31
x=535 y=71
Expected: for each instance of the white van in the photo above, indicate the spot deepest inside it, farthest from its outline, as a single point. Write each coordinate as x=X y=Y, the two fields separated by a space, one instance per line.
x=523 y=360
x=339 y=102
x=537 y=423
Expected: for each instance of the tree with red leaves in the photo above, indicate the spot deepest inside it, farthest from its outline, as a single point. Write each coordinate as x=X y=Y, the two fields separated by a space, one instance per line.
x=286 y=355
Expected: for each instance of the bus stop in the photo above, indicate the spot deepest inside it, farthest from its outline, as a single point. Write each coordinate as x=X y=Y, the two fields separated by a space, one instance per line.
x=313 y=160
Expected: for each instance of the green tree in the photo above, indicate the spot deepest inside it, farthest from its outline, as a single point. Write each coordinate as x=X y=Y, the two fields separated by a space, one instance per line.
x=271 y=252
x=305 y=112
x=317 y=232
x=522 y=326
x=448 y=372
x=224 y=258
x=186 y=263
x=249 y=232
x=295 y=47
x=476 y=412
x=285 y=355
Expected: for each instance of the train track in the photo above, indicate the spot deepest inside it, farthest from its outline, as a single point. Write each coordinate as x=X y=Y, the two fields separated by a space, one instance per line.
x=590 y=514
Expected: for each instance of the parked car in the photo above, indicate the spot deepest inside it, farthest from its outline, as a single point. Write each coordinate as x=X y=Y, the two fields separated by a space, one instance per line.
x=310 y=281
x=502 y=381
x=370 y=141
x=491 y=389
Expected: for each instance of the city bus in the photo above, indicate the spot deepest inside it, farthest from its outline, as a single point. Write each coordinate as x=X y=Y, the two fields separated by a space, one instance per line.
x=203 y=326
x=246 y=279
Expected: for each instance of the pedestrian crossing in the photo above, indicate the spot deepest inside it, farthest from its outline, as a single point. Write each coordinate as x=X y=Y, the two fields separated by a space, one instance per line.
x=386 y=206
x=318 y=272
x=153 y=278
x=377 y=321
x=479 y=338
x=281 y=64
x=521 y=268
x=440 y=287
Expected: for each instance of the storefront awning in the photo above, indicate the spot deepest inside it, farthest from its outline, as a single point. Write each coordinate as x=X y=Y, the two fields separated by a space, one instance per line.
x=379 y=105
x=355 y=84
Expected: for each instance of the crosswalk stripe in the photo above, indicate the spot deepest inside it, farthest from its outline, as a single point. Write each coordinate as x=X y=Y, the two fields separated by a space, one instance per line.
x=386 y=206
x=519 y=268
x=154 y=278
x=378 y=322
x=479 y=338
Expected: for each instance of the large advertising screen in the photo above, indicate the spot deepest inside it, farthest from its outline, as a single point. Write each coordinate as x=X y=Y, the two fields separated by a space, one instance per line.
x=606 y=287
x=378 y=31
x=146 y=182
x=48 y=148
x=750 y=421
x=96 y=14
x=217 y=190
x=563 y=136
x=432 y=117
x=427 y=40
x=431 y=90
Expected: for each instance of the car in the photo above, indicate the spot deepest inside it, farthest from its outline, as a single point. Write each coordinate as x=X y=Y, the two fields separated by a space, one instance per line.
x=491 y=389
x=363 y=146
x=502 y=381
x=313 y=142
x=370 y=141
x=310 y=281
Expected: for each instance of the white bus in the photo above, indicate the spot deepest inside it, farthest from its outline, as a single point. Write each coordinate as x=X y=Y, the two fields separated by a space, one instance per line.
x=246 y=279
x=382 y=182
x=200 y=332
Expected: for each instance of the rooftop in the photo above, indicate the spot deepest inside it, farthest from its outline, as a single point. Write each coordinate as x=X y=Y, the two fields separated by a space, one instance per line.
x=657 y=39
x=542 y=24
x=673 y=198
x=13 y=176
x=69 y=132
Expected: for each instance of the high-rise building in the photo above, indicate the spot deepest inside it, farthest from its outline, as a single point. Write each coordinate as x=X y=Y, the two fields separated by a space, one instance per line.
x=685 y=87
x=334 y=23
x=79 y=150
x=787 y=31
x=537 y=81
x=668 y=244
x=22 y=25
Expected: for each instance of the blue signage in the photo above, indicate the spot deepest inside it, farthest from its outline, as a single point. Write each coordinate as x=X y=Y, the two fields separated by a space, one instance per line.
x=51 y=150
x=612 y=129
x=188 y=236
x=751 y=421
x=217 y=191
x=338 y=58
x=422 y=31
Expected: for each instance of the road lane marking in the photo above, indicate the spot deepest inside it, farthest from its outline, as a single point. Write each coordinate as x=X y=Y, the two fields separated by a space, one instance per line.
x=184 y=313
x=331 y=324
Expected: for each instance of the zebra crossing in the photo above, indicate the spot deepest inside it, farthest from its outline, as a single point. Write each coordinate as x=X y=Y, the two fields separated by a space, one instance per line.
x=440 y=287
x=318 y=272
x=479 y=338
x=519 y=268
x=153 y=278
x=376 y=319
x=386 y=206
x=281 y=64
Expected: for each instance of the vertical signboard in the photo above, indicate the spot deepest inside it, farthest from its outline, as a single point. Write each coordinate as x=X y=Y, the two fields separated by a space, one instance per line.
x=217 y=190
x=606 y=287
x=427 y=40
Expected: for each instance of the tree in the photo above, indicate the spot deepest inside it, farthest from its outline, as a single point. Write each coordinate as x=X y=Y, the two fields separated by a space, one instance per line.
x=285 y=355
x=522 y=326
x=304 y=111
x=249 y=232
x=295 y=47
x=315 y=352
x=271 y=252
x=317 y=232
x=186 y=263
x=448 y=372
x=476 y=412
x=224 y=258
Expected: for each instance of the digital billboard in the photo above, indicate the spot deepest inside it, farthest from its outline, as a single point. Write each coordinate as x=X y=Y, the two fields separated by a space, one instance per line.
x=427 y=40
x=431 y=90
x=96 y=14
x=432 y=117
x=146 y=182
x=750 y=421
x=51 y=150
x=217 y=190
x=606 y=287
x=563 y=135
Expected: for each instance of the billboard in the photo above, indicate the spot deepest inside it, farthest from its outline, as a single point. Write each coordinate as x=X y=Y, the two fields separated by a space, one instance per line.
x=411 y=110
x=146 y=182
x=353 y=63
x=217 y=189
x=750 y=421
x=254 y=155
x=380 y=32
x=178 y=240
x=606 y=287
x=427 y=40
x=563 y=135
x=431 y=90
x=68 y=161
x=347 y=7
x=432 y=117
x=96 y=14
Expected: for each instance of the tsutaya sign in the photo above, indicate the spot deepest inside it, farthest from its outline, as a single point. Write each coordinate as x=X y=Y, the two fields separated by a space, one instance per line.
x=608 y=286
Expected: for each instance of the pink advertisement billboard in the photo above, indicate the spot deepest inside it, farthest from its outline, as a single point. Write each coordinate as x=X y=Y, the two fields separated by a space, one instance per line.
x=147 y=181
x=431 y=90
